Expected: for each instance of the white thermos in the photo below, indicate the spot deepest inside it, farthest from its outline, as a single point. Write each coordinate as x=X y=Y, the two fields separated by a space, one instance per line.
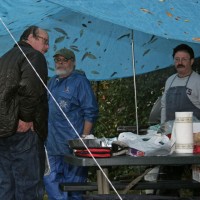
x=184 y=132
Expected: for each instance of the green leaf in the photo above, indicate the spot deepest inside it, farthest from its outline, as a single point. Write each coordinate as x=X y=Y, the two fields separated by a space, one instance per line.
x=94 y=72
x=60 y=39
x=89 y=55
x=81 y=32
x=75 y=40
x=125 y=35
x=75 y=48
x=98 y=43
x=147 y=51
x=61 y=31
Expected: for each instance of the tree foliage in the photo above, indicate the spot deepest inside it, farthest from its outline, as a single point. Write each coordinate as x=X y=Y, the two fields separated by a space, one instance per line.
x=116 y=99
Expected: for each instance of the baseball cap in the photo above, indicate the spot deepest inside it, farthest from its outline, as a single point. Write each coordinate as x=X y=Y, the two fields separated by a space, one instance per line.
x=68 y=54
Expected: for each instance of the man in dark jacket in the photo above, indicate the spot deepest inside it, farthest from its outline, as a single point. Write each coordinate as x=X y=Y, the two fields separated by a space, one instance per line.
x=23 y=117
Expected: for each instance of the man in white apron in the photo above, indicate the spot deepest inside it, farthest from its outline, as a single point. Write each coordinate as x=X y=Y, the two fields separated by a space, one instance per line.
x=181 y=94
x=182 y=90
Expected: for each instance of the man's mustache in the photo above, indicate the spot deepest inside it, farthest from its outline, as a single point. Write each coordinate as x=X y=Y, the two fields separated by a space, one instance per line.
x=180 y=66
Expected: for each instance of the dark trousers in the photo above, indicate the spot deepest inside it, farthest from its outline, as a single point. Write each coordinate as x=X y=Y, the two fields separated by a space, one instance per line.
x=22 y=160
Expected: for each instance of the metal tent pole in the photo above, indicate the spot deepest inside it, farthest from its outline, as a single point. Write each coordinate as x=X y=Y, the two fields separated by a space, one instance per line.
x=134 y=82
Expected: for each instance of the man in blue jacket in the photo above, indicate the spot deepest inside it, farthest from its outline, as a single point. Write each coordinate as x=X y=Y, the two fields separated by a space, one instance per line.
x=73 y=92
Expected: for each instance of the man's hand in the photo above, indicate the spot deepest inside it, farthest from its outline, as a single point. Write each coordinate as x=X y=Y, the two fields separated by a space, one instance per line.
x=24 y=126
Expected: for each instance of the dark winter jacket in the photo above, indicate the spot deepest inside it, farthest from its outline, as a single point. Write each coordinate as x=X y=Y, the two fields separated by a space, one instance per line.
x=22 y=94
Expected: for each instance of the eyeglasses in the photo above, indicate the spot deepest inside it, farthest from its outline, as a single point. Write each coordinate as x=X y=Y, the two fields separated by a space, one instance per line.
x=184 y=60
x=57 y=60
x=45 y=41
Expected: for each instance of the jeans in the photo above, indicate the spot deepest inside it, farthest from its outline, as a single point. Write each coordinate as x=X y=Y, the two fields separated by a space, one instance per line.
x=62 y=172
x=22 y=159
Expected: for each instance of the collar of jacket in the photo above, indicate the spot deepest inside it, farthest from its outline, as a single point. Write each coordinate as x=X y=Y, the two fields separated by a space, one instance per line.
x=24 y=44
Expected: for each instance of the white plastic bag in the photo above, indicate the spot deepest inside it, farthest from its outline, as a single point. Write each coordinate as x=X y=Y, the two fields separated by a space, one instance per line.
x=152 y=144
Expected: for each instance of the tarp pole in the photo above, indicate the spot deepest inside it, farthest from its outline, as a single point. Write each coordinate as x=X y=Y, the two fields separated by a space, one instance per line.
x=134 y=81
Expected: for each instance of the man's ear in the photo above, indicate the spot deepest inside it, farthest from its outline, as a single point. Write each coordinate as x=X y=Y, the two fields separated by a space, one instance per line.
x=192 y=61
x=30 y=38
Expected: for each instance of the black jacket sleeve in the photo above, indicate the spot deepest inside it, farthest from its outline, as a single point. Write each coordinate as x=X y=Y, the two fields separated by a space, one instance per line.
x=31 y=90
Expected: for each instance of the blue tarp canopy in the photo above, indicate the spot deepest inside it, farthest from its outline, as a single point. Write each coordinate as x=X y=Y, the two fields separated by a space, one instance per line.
x=107 y=36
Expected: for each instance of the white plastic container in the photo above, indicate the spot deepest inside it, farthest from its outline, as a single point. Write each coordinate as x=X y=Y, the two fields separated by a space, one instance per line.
x=184 y=132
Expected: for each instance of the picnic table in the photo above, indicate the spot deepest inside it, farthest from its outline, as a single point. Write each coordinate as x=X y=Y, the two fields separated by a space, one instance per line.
x=105 y=163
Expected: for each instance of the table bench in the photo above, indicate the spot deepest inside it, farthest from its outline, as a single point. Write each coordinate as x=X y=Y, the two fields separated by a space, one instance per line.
x=103 y=186
x=135 y=197
x=160 y=184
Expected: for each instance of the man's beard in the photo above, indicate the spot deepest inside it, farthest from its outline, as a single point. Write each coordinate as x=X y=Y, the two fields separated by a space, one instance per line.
x=63 y=72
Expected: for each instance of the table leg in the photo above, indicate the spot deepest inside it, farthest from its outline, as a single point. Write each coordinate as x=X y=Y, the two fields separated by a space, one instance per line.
x=103 y=185
x=99 y=182
x=106 y=188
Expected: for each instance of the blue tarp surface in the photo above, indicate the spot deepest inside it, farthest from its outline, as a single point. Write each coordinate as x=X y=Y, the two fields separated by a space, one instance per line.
x=101 y=32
